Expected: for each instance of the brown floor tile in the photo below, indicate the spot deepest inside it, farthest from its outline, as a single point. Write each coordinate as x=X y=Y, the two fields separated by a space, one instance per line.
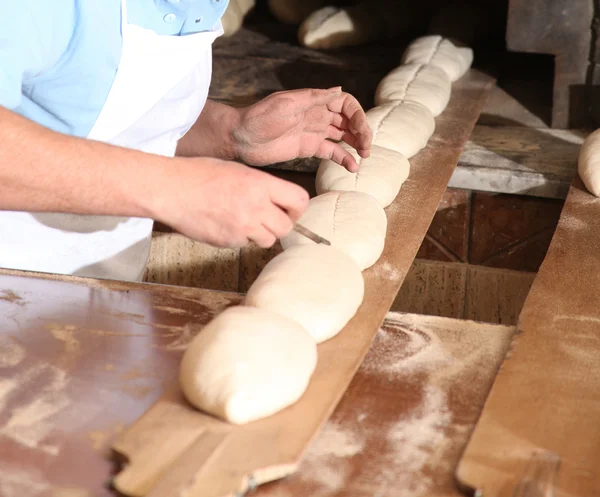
x=448 y=235
x=511 y=231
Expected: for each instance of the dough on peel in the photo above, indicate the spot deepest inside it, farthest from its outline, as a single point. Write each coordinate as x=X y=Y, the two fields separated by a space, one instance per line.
x=428 y=85
x=439 y=52
x=589 y=163
x=247 y=364
x=318 y=286
x=353 y=222
x=380 y=175
x=401 y=126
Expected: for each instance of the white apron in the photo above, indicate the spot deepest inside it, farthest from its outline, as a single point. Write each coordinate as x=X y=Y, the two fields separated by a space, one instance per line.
x=158 y=93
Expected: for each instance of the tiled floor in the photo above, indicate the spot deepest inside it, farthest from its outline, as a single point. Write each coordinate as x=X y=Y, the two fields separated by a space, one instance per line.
x=494 y=230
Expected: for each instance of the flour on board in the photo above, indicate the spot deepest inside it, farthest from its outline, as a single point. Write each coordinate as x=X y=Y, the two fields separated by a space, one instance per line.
x=11 y=353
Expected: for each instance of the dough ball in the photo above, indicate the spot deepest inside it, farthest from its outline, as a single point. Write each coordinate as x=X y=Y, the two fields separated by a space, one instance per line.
x=428 y=85
x=380 y=175
x=402 y=126
x=353 y=222
x=247 y=364
x=589 y=163
x=316 y=285
x=439 y=52
x=333 y=27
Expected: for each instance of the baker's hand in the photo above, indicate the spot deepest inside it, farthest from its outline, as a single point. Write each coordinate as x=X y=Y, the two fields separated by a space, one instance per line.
x=227 y=204
x=301 y=123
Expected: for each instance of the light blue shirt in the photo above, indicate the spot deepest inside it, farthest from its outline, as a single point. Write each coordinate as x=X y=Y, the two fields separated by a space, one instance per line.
x=59 y=58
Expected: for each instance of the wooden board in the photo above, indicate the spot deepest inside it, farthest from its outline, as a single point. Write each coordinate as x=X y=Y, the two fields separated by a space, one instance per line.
x=547 y=392
x=83 y=358
x=464 y=291
x=239 y=457
x=403 y=423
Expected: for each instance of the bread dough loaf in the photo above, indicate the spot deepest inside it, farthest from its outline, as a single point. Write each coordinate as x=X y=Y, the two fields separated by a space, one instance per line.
x=401 y=126
x=333 y=27
x=318 y=286
x=380 y=175
x=247 y=364
x=589 y=163
x=439 y=52
x=428 y=85
x=353 y=222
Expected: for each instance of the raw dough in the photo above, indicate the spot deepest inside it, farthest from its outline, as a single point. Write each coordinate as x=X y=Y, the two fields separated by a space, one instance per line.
x=440 y=52
x=317 y=286
x=401 y=126
x=333 y=27
x=589 y=163
x=353 y=222
x=247 y=364
x=380 y=175
x=428 y=85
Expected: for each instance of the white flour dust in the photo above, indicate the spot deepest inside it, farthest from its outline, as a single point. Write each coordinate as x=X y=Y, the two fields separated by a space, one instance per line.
x=18 y=483
x=327 y=459
x=11 y=353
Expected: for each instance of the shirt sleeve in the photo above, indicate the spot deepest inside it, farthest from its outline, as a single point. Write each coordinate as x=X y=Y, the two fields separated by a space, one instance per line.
x=34 y=34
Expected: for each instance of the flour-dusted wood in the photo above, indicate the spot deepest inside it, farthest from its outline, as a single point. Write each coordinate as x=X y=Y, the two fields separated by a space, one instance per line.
x=380 y=175
x=438 y=51
x=425 y=84
x=546 y=393
x=354 y=222
x=402 y=126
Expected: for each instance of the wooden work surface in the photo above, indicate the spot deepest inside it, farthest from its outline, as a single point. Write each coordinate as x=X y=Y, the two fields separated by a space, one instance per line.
x=84 y=358
x=81 y=359
x=547 y=394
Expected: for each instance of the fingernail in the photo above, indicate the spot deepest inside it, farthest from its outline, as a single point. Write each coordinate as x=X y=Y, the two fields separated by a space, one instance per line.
x=335 y=89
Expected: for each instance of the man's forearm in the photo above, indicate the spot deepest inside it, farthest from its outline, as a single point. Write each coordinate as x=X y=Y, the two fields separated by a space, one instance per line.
x=44 y=171
x=211 y=134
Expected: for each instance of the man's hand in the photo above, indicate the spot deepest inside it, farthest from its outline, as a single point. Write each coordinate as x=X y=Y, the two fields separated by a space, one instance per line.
x=300 y=123
x=227 y=204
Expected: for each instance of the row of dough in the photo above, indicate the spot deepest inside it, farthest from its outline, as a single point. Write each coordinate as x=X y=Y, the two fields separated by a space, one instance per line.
x=256 y=359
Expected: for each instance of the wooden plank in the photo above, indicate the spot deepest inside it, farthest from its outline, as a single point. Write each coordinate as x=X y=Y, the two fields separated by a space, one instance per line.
x=403 y=423
x=178 y=260
x=496 y=295
x=546 y=394
x=271 y=448
x=464 y=291
x=433 y=288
